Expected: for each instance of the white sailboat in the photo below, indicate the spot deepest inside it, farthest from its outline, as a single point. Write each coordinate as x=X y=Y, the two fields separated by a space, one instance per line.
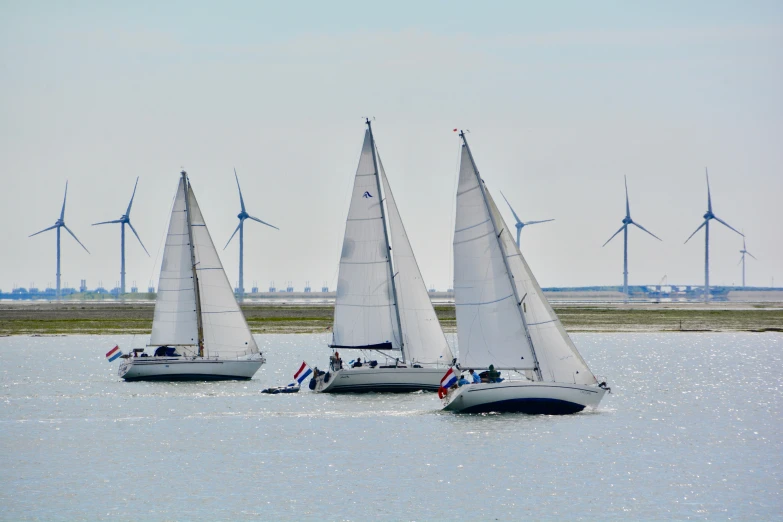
x=382 y=306
x=198 y=330
x=504 y=320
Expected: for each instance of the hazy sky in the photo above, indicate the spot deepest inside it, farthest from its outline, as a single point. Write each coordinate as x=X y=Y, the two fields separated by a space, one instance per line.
x=562 y=99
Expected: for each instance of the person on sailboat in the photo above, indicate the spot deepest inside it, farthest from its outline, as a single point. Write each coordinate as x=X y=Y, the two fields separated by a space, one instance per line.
x=462 y=381
x=493 y=375
x=475 y=377
x=358 y=363
x=336 y=362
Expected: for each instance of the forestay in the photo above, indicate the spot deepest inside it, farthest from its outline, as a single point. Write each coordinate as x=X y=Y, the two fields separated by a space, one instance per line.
x=174 y=322
x=364 y=313
x=423 y=336
x=226 y=333
x=489 y=324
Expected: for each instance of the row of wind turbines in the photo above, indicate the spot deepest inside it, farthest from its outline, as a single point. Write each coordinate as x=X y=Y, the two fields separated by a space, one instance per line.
x=125 y=220
x=519 y=224
x=627 y=220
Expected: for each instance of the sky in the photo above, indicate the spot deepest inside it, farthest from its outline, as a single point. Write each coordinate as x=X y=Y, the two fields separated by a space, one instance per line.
x=562 y=99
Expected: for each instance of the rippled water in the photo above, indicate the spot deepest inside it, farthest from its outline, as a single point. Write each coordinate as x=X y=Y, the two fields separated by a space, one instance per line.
x=692 y=431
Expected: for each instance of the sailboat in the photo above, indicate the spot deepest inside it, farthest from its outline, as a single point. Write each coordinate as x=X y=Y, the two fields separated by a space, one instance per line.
x=198 y=330
x=504 y=320
x=382 y=308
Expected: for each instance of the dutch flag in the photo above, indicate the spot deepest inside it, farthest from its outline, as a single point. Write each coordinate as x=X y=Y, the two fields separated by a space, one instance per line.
x=113 y=353
x=303 y=372
x=449 y=379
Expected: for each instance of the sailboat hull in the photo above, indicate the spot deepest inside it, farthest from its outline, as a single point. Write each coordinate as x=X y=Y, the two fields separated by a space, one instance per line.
x=363 y=380
x=524 y=397
x=195 y=369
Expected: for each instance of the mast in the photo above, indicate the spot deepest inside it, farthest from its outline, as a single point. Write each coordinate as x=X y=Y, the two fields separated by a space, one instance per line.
x=386 y=236
x=193 y=265
x=505 y=256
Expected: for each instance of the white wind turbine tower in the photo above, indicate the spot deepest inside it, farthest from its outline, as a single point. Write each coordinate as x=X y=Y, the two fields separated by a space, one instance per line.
x=742 y=260
x=243 y=215
x=627 y=221
x=125 y=220
x=707 y=217
x=60 y=223
x=519 y=223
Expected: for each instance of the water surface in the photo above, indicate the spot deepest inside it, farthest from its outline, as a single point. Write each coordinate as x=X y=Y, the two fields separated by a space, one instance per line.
x=692 y=431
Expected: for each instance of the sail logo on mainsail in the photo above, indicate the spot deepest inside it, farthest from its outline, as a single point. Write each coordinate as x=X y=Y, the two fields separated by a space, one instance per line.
x=366 y=194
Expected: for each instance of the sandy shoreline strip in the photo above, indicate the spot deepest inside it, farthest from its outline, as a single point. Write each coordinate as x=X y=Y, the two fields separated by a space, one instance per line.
x=46 y=318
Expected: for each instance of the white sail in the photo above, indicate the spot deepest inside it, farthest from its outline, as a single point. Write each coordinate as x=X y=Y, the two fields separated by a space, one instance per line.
x=364 y=313
x=174 y=322
x=225 y=330
x=423 y=338
x=558 y=358
x=489 y=326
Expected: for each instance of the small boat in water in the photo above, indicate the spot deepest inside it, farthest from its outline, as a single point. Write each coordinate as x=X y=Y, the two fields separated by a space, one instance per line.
x=198 y=330
x=504 y=322
x=382 y=307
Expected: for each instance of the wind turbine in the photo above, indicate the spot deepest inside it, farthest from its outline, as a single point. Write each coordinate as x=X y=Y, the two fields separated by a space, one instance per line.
x=60 y=223
x=242 y=217
x=624 y=229
x=519 y=224
x=707 y=217
x=125 y=220
x=742 y=259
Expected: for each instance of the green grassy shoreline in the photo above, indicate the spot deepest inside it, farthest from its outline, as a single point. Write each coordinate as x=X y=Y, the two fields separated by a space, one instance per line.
x=136 y=318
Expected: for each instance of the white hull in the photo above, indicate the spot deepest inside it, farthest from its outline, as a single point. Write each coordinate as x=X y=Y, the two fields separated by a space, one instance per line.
x=357 y=380
x=188 y=369
x=549 y=398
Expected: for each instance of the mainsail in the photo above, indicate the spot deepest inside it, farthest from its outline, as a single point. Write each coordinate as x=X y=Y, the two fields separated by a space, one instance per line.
x=176 y=322
x=481 y=275
x=364 y=312
x=422 y=333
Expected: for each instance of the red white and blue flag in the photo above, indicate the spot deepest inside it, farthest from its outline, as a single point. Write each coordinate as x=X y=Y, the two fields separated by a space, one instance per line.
x=114 y=353
x=449 y=379
x=303 y=372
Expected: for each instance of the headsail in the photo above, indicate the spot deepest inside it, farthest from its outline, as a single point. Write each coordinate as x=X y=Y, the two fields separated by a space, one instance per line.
x=364 y=312
x=422 y=333
x=226 y=333
x=558 y=358
x=175 y=322
x=489 y=325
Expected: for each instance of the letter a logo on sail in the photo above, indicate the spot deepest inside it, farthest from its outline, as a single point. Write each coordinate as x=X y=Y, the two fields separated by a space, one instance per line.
x=367 y=194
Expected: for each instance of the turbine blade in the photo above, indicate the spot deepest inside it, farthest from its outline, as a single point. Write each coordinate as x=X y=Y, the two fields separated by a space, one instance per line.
x=241 y=200
x=740 y=261
x=44 y=230
x=537 y=222
x=751 y=255
x=653 y=235
x=76 y=238
x=232 y=235
x=262 y=222
x=607 y=241
x=62 y=212
x=709 y=198
x=127 y=212
x=627 y=204
x=694 y=232
x=509 y=206
x=719 y=220
x=137 y=237
x=107 y=222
